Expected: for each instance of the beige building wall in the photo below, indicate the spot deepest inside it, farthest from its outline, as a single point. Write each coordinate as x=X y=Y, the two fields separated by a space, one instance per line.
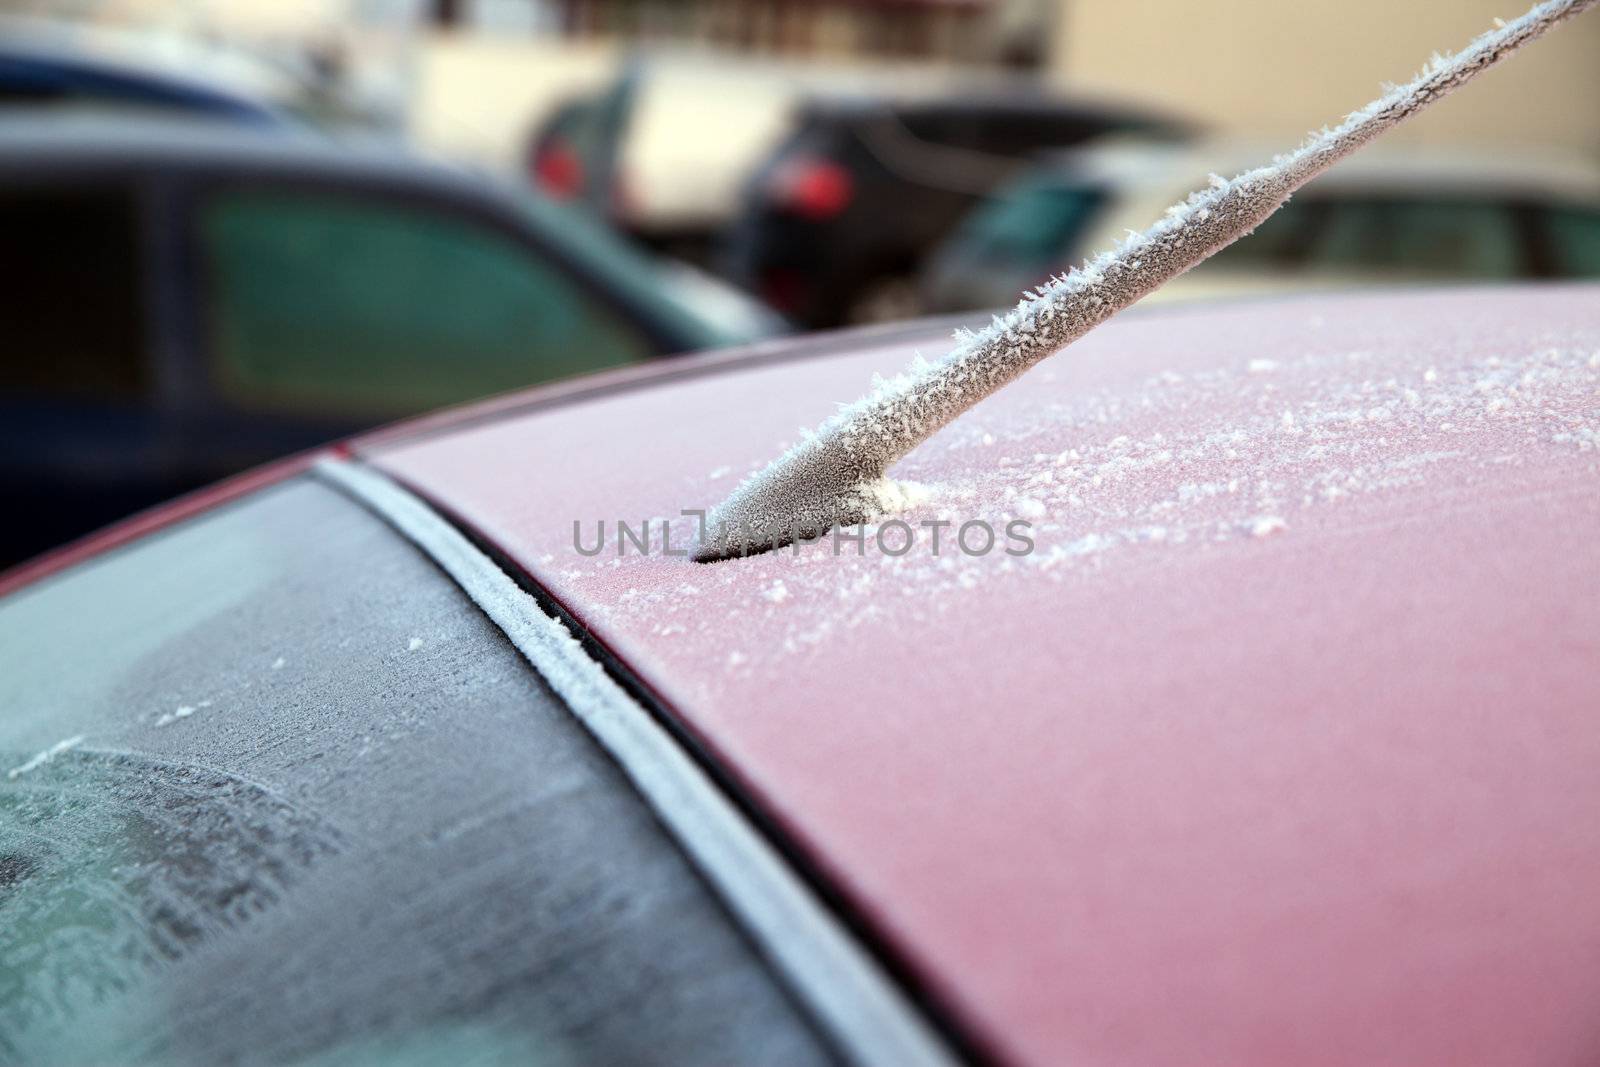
x=1283 y=67
x=476 y=97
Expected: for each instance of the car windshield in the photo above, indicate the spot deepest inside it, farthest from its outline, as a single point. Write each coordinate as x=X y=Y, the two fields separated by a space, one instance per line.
x=273 y=789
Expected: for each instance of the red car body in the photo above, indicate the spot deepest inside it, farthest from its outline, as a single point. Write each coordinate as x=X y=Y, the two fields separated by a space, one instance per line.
x=1277 y=745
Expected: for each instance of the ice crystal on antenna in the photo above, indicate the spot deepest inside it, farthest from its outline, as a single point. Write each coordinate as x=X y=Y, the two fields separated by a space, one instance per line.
x=838 y=475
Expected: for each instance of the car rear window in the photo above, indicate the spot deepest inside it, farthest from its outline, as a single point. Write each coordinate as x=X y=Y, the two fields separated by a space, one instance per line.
x=272 y=789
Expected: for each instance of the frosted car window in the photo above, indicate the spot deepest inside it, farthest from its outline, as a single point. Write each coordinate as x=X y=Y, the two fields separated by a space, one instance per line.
x=330 y=303
x=273 y=790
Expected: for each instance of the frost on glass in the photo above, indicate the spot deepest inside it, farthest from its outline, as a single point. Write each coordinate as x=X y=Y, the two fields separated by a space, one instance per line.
x=273 y=790
x=113 y=864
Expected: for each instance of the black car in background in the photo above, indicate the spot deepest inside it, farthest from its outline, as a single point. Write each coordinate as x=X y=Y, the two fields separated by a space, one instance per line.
x=181 y=301
x=836 y=223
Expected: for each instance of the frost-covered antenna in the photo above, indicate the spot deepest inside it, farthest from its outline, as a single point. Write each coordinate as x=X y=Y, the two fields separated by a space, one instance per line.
x=837 y=476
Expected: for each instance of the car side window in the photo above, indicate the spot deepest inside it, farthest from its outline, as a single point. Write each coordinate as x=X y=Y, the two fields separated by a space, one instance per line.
x=1427 y=238
x=328 y=303
x=72 y=311
x=1573 y=235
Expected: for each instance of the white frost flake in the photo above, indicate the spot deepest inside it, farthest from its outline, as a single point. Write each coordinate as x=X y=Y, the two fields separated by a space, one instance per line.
x=182 y=712
x=46 y=756
x=1266 y=525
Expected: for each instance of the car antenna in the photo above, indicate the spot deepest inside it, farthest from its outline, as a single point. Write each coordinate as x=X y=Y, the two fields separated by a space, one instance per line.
x=837 y=475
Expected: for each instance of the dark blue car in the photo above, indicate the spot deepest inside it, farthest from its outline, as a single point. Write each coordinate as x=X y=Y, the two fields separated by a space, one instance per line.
x=43 y=63
x=181 y=301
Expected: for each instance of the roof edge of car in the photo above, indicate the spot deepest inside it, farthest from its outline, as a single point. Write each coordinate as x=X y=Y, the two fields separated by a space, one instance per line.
x=776 y=351
x=757 y=355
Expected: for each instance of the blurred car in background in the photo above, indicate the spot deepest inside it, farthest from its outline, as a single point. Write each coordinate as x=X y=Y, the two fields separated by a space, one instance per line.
x=183 y=300
x=570 y=159
x=56 y=65
x=1386 y=216
x=65 y=65
x=837 y=222
x=663 y=150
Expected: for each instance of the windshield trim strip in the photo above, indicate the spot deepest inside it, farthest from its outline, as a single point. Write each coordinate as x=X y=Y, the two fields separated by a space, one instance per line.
x=844 y=987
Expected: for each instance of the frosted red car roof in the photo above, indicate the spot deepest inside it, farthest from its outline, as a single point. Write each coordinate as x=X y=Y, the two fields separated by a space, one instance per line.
x=1280 y=746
